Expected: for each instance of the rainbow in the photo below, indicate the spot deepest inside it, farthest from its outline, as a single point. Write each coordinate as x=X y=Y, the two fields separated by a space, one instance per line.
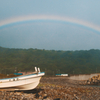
x=42 y=18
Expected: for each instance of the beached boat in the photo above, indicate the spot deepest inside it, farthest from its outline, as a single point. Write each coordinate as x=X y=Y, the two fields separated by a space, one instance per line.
x=23 y=82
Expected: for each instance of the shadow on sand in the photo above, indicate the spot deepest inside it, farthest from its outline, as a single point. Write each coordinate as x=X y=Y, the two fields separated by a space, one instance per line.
x=33 y=91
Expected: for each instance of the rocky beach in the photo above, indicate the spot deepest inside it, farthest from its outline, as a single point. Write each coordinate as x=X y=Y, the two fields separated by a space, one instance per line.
x=55 y=88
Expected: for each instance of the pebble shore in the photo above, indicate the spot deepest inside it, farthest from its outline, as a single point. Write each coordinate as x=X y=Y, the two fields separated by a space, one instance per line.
x=54 y=88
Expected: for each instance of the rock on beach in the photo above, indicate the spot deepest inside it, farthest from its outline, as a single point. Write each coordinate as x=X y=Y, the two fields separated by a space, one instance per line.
x=54 y=88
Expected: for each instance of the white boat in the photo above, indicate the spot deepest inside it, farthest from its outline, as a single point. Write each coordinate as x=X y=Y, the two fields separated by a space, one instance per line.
x=24 y=82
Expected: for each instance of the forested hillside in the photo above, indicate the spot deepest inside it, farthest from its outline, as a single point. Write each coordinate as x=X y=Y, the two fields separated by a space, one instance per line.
x=51 y=61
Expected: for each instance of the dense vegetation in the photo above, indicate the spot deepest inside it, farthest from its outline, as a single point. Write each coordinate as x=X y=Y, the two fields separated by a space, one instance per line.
x=51 y=61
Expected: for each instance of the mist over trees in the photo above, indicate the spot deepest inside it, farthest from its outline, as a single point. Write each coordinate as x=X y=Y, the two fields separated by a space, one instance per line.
x=50 y=61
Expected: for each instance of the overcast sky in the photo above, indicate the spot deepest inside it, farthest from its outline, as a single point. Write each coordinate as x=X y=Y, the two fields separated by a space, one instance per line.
x=50 y=24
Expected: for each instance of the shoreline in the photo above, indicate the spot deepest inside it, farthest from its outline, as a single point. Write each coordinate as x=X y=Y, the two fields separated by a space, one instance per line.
x=55 y=88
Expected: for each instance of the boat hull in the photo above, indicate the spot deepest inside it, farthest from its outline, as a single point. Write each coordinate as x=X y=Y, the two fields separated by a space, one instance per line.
x=27 y=82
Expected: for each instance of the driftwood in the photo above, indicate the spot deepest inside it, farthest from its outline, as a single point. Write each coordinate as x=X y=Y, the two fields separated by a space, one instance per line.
x=95 y=80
